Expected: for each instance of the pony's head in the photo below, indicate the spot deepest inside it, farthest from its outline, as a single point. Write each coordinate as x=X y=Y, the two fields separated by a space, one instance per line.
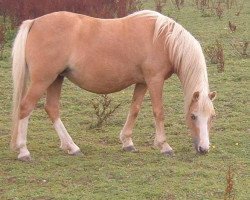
x=199 y=119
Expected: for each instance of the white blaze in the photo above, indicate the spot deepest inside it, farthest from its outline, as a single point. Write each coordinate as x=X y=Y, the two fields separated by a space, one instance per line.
x=204 y=135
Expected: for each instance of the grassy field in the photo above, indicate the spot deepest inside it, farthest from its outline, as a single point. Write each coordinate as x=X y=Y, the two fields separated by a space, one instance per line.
x=104 y=171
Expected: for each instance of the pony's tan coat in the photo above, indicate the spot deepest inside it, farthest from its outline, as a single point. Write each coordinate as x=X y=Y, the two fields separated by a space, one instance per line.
x=105 y=56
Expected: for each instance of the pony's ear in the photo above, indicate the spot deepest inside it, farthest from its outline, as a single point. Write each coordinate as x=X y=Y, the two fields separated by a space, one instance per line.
x=212 y=95
x=196 y=96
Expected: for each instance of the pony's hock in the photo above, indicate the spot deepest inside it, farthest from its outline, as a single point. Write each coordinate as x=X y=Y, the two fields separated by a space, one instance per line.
x=105 y=56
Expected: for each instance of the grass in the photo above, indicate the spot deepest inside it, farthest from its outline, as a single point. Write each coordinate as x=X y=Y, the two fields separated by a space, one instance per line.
x=104 y=171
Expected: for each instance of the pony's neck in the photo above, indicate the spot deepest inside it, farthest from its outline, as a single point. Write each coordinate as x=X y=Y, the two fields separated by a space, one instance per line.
x=192 y=73
x=184 y=53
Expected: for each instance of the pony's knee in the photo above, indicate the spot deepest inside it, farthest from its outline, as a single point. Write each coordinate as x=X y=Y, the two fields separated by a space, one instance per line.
x=52 y=111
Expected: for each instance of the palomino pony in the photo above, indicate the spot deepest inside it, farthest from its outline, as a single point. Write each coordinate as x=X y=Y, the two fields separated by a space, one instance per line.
x=105 y=56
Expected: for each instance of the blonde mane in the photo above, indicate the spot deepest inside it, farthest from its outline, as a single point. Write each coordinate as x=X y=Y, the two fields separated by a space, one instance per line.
x=185 y=53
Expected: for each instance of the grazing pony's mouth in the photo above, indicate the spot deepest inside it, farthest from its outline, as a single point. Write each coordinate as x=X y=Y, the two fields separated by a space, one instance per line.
x=199 y=149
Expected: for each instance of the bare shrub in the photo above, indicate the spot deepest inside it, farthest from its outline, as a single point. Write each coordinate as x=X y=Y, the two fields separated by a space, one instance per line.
x=210 y=52
x=134 y=5
x=231 y=26
x=178 y=3
x=2 y=40
x=241 y=47
x=205 y=6
x=215 y=53
x=202 y=4
x=103 y=110
x=217 y=7
x=159 y=5
x=229 y=191
x=220 y=56
x=230 y=3
x=219 y=10
x=238 y=7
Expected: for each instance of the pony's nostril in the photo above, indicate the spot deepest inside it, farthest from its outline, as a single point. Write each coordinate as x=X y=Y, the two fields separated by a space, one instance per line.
x=202 y=150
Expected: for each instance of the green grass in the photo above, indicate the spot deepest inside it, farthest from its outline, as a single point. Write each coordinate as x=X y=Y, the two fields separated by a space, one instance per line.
x=104 y=171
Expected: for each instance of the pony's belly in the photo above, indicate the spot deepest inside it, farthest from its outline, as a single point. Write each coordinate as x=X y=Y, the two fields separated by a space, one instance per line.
x=100 y=84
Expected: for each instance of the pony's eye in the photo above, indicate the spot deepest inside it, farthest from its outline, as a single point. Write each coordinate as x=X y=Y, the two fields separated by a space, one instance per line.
x=193 y=117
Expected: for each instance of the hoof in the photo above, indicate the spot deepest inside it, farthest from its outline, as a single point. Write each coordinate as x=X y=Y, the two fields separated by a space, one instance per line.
x=25 y=158
x=130 y=149
x=76 y=153
x=169 y=153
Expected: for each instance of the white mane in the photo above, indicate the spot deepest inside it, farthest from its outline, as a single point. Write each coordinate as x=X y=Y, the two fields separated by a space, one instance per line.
x=185 y=53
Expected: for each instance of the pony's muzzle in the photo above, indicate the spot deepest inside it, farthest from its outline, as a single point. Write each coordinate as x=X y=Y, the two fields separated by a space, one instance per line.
x=198 y=148
x=202 y=150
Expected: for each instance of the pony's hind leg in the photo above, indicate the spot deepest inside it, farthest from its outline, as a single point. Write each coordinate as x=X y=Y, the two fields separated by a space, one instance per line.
x=28 y=103
x=52 y=108
x=126 y=133
x=24 y=154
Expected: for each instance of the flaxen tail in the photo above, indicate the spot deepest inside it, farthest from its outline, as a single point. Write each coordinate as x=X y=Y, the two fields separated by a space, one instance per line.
x=19 y=75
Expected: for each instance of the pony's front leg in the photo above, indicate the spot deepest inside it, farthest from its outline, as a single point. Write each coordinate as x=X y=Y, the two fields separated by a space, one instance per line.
x=126 y=133
x=67 y=144
x=155 y=88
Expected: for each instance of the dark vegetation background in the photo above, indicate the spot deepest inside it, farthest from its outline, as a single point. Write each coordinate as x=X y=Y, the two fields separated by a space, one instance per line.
x=19 y=10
